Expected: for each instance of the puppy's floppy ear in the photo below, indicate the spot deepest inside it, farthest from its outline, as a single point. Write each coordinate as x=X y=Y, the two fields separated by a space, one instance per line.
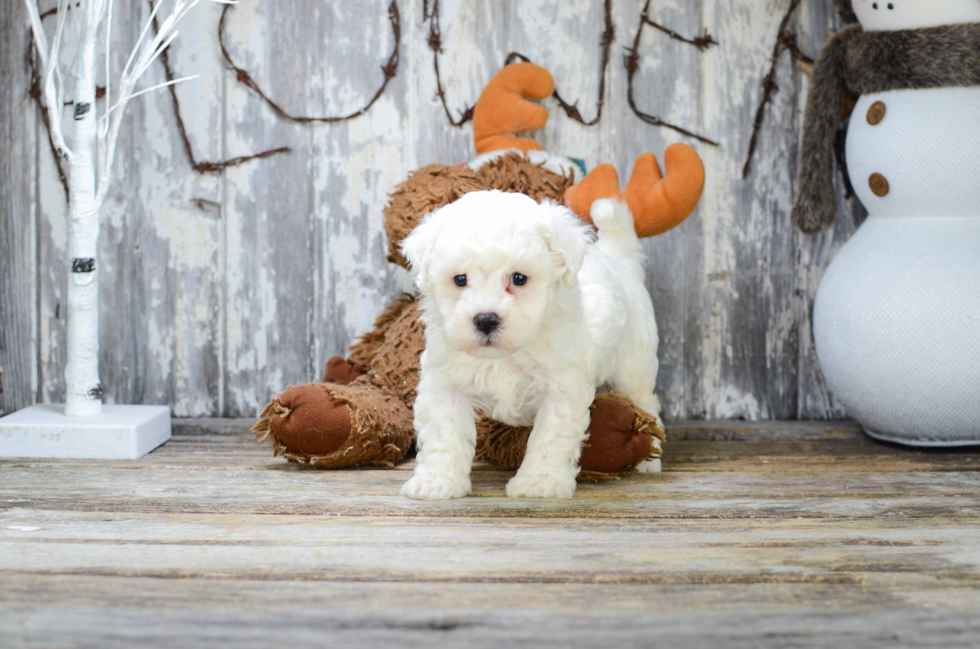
x=566 y=237
x=419 y=246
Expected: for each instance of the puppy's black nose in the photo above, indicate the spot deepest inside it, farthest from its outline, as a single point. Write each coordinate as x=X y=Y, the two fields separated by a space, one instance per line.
x=487 y=322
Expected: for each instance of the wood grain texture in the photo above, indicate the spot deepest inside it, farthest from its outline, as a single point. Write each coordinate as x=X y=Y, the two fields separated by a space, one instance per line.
x=18 y=270
x=161 y=273
x=220 y=290
x=798 y=534
x=815 y=253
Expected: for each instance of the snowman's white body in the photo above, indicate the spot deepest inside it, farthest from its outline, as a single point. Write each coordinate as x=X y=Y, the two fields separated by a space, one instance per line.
x=897 y=317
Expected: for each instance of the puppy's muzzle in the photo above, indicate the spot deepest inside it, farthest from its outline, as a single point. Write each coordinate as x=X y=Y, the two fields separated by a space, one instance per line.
x=486 y=323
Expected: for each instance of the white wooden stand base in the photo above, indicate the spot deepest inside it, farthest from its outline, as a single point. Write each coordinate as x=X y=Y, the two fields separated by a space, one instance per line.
x=119 y=433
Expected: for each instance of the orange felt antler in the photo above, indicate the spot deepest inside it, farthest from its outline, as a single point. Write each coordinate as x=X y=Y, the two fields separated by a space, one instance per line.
x=657 y=202
x=503 y=109
x=601 y=182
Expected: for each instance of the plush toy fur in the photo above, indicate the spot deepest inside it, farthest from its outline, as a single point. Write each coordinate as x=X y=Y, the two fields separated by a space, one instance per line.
x=361 y=413
x=860 y=62
x=911 y=59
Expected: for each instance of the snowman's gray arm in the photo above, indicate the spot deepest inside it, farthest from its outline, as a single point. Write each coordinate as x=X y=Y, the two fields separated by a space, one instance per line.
x=816 y=203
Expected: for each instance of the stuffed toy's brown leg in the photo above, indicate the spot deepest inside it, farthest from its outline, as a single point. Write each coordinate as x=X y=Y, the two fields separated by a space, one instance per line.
x=333 y=426
x=307 y=419
x=360 y=414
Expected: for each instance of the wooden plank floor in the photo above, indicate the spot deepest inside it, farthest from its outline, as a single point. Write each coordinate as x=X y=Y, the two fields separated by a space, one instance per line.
x=755 y=535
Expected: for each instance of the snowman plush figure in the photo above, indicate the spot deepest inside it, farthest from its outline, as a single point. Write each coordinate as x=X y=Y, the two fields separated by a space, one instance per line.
x=897 y=316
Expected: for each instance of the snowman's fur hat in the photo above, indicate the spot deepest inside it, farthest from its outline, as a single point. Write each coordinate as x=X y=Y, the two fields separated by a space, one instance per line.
x=861 y=62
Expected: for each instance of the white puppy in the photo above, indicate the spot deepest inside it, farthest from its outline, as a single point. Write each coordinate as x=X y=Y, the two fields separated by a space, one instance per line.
x=525 y=315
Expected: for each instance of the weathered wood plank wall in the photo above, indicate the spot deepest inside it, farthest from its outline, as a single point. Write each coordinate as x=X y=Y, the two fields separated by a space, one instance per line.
x=220 y=289
x=18 y=288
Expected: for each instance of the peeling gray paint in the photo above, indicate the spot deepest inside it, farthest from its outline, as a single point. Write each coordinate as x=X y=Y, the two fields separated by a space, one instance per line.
x=219 y=290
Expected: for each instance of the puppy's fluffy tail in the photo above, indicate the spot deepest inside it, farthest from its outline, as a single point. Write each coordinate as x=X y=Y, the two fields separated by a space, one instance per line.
x=617 y=236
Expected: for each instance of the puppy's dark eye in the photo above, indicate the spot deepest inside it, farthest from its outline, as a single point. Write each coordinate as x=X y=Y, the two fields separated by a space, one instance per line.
x=460 y=280
x=874 y=5
x=518 y=279
x=891 y=6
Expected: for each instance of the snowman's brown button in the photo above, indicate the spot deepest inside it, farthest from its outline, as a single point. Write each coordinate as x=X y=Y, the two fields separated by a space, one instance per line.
x=878 y=185
x=876 y=113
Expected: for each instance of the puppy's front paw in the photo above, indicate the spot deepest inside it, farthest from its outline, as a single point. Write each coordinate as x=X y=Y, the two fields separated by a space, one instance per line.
x=649 y=466
x=536 y=486
x=428 y=487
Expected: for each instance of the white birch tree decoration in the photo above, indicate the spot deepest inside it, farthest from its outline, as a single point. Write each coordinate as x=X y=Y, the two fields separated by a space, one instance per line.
x=87 y=146
x=89 y=160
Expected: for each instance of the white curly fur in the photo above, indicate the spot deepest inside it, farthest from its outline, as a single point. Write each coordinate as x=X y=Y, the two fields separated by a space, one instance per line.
x=583 y=319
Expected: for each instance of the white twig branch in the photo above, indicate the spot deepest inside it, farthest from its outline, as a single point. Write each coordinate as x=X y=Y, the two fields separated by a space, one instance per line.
x=108 y=52
x=52 y=88
x=136 y=48
x=144 y=53
x=145 y=90
x=94 y=13
x=40 y=39
x=88 y=14
x=90 y=163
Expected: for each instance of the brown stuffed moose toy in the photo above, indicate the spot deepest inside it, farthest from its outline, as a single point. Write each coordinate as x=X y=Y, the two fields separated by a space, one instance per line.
x=361 y=412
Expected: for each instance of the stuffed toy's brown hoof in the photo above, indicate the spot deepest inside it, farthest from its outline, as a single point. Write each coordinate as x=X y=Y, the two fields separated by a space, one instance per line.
x=308 y=420
x=336 y=426
x=620 y=437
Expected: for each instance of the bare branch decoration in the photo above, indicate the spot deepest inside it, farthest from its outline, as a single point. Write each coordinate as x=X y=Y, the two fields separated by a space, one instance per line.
x=702 y=42
x=100 y=91
x=435 y=44
x=785 y=41
x=632 y=62
x=202 y=166
x=36 y=93
x=90 y=156
x=389 y=69
x=605 y=44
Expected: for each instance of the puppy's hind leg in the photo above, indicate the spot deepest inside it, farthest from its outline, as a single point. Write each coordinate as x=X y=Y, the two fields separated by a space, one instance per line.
x=637 y=381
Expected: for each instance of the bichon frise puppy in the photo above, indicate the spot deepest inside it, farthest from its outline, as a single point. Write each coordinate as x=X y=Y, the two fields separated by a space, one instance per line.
x=525 y=314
